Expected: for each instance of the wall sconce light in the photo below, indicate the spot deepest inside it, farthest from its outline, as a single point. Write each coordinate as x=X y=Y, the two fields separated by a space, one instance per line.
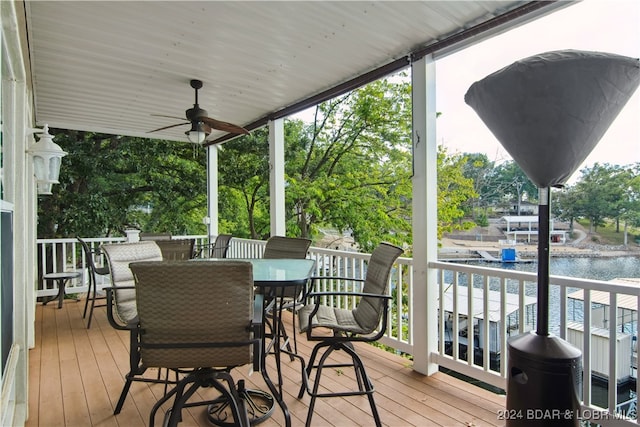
x=47 y=158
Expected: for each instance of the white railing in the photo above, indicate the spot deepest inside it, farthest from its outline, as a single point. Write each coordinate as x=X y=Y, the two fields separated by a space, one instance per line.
x=503 y=296
x=55 y=255
x=565 y=315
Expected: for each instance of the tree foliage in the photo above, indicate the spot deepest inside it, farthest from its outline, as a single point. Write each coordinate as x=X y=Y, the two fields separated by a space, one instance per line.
x=496 y=186
x=108 y=183
x=603 y=191
x=630 y=212
x=479 y=169
x=243 y=166
x=350 y=168
x=454 y=190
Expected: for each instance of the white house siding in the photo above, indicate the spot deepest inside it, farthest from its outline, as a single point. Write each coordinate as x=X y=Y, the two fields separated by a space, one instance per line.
x=18 y=195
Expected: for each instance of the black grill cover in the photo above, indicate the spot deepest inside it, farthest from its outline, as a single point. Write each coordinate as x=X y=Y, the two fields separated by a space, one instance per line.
x=550 y=110
x=544 y=382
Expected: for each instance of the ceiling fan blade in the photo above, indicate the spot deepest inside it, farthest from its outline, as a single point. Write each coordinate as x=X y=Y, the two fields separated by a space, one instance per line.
x=224 y=126
x=170 y=117
x=169 y=127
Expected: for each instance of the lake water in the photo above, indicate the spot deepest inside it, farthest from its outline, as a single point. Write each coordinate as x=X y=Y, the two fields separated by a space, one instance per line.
x=586 y=268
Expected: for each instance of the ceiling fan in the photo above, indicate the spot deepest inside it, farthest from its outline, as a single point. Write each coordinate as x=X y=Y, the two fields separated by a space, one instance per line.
x=201 y=125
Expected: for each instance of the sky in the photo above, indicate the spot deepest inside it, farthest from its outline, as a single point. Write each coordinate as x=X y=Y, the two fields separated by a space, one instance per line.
x=611 y=26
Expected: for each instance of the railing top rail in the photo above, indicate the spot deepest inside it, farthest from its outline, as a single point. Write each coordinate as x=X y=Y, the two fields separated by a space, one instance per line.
x=564 y=281
x=486 y=271
x=87 y=239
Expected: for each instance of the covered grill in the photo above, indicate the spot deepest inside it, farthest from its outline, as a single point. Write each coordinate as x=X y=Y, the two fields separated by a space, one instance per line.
x=549 y=111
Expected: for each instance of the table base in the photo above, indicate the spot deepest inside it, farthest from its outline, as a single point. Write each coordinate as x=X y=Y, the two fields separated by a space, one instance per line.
x=61 y=278
x=259 y=406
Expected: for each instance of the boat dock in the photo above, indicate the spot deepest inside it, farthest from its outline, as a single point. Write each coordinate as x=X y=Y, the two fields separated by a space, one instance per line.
x=508 y=255
x=486 y=256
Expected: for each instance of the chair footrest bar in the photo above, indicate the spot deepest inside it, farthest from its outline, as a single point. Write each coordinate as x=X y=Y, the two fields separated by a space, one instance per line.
x=343 y=393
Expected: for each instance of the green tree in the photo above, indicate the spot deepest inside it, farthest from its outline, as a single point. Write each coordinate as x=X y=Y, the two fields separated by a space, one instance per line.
x=454 y=189
x=511 y=181
x=629 y=204
x=351 y=169
x=598 y=194
x=243 y=165
x=109 y=182
x=480 y=170
x=565 y=205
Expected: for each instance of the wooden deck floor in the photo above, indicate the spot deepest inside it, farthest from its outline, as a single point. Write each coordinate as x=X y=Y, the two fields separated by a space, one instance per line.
x=76 y=375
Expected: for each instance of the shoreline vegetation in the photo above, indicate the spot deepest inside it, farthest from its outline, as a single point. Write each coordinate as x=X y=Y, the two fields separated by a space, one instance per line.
x=468 y=246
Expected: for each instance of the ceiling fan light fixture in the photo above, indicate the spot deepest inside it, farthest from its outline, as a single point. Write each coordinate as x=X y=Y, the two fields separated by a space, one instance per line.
x=197 y=134
x=201 y=125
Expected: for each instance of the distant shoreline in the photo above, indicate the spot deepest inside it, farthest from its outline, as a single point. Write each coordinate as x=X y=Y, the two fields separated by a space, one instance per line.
x=452 y=250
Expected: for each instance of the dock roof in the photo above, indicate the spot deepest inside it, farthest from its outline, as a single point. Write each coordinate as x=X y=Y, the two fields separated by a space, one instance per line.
x=627 y=302
x=512 y=302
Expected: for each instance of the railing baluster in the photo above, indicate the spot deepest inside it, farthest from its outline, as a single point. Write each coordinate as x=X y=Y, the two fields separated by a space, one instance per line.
x=486 y=326
x=613 y=352
x=586 y=353
x=470 y=322
x=503 y=326
x=442 y=318
x=563 y=312
x=456 y=319
x=522 y=304
x=635 y=359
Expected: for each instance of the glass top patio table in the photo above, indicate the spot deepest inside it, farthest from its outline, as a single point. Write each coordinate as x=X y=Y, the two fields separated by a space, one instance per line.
x=281 y=272
x=276 y=272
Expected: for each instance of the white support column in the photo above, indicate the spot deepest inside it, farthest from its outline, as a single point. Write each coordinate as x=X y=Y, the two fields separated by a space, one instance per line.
x=276 y=177
x=425 y=215
x=25 y=230
x=212 y=191
x=19 y=195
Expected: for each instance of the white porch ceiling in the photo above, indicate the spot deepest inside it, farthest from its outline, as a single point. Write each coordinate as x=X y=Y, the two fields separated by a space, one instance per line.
x=107 y=66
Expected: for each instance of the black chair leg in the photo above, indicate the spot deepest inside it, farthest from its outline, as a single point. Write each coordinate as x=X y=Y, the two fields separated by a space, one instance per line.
x=364 y=382
x=86 y=302
x=365 y=386
x=91 y=295
x=316 y=381
x=238 y=404
x=181 y=398
x=166 y=380
x=309 y=368
x=90 y=315
x=357 y=364
x=178 y=389
x=123 y=395
x=93 y=303
x=204 y=378
x=134 y=359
